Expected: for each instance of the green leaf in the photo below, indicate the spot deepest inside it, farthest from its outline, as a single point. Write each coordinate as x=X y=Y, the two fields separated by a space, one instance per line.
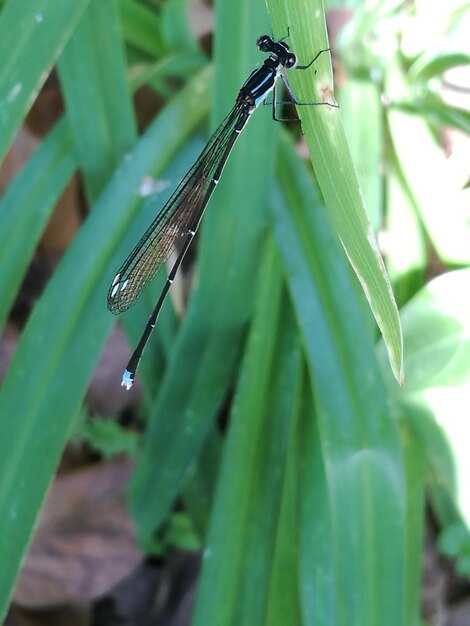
x=27 y=205
x=285 y=598
x=108 y=437
x=364 y=130
x=92 y=71
x=183 y=64
x=333 y=166
x=200 y=488
x=440 y=31
x=424 y=168
x=454 y=540
x=359 y=440
x=176 y=30
x=247 y=525
x=318 y=575
x=435 y=401
x=436 y=111
x=415 y=464
x=180 y=533
x=435 y=64
x=141 y=27
x=405 y=243
x=436 y=330
x=32 y=36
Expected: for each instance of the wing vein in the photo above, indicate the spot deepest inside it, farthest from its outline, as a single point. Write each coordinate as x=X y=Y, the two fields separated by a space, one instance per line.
x=181 y=213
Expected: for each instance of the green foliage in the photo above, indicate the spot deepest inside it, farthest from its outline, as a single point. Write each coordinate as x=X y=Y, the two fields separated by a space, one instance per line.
x=455 y=543
x=310 y=502
x=108 y=437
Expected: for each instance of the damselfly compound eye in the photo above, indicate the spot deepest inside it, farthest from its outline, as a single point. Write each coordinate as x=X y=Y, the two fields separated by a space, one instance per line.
x=291 y=61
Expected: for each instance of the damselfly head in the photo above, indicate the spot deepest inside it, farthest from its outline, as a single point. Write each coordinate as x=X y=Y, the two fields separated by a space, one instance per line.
x=278 y=50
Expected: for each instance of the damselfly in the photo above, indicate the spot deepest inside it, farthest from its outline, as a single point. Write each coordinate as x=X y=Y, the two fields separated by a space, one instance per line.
x=181 y=215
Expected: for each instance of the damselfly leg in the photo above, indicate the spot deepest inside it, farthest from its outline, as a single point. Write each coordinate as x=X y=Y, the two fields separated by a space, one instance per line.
x=293 y=100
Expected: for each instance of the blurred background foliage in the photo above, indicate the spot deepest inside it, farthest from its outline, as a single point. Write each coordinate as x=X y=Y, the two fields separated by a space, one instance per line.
x=268 y=430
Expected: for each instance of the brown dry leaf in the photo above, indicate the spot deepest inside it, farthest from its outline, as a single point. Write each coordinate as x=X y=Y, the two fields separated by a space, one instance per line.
x=67 y=216
x=65 y=220
x=8 y=341
x=20 y=151
x=85 y=541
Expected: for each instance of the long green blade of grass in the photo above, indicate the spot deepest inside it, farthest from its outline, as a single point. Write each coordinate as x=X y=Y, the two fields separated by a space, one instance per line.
x=415 y=462
x=284 y=599
x=27 y=205
x=364 y=131
x=333 y=166
x=423 y=166
x=359 y=440
x=406 y=258
x=319 y=593
x=246 y=519
x=32 y=35
x=141 y=27
x=92 y=71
